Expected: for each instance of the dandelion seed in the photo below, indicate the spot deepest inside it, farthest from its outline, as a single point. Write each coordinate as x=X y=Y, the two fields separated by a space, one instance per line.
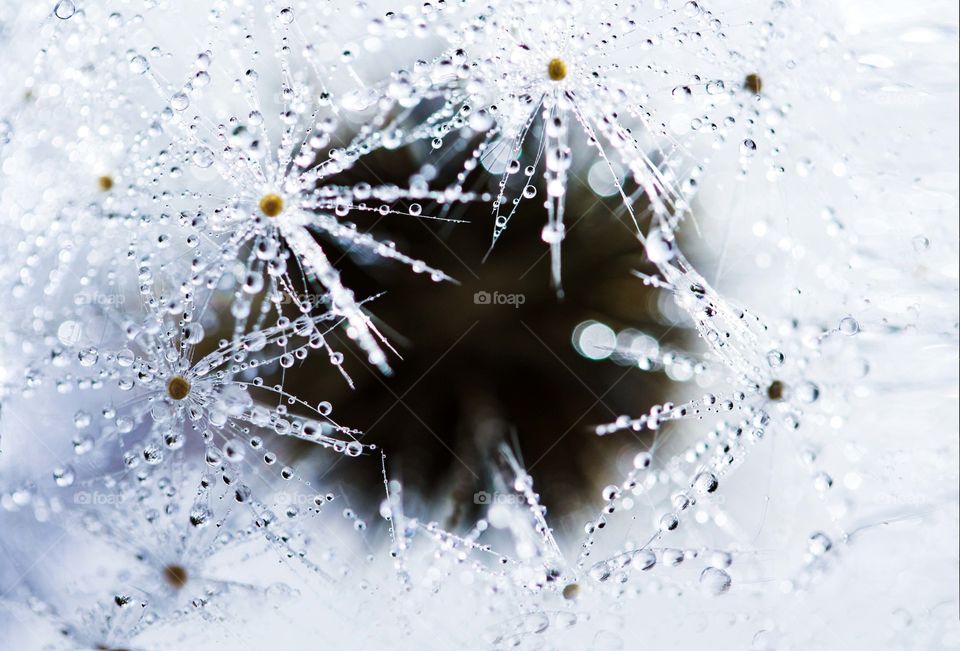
x=556 y=69
x=271 y=205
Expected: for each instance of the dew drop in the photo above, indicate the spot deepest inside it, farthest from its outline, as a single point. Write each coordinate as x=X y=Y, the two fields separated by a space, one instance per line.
x=715 y=581
x=139 y=65
x=65 y=9
x=63 y=476
x=849 y=326
x=179 y=101
x=659 y=247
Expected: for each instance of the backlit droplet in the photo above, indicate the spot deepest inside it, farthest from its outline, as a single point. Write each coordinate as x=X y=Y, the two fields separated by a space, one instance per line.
x=819 y=544
x=65 y=9
x=659 y=247
x=63 y=476
x=705 y=482
x=849 y=326
x=715 y=581
x=179 y=102
x=139 y=64
x=285 y=17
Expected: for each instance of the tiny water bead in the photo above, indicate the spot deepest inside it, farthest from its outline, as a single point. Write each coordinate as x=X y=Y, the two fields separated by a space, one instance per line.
x=178 y=387
x=754 y=83
x=105 y=183
x=849 y=326
x=819 y=544
x=271 y=204
x=175 y=576
x=557 y=69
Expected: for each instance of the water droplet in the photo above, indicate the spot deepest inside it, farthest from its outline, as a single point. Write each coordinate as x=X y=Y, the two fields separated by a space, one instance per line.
x=179 y=101
x=611 y=492
x=139 y=65
x=807 y=392
x=705 y=482
x=88 y=356
x=849 y=326
x=659 y=247
x=203 y=157
x=715 y=581
x=65 y=9
x=63 y=476
x=285 y=17
x=819 y=544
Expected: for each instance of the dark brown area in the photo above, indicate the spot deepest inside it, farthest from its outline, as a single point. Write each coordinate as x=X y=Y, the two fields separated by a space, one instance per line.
x=753 y=83
x=175 y=576
x=776 y=390
x=473 y=376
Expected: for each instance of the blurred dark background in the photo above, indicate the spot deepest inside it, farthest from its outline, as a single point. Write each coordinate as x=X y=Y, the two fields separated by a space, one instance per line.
x=475 y=375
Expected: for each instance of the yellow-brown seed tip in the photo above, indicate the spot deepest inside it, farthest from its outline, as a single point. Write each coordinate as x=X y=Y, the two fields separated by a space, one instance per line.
x=105 y=183
x=557 y=69
x=178 y=387
x=175 y=575
x=271 y=204
x=776 y=390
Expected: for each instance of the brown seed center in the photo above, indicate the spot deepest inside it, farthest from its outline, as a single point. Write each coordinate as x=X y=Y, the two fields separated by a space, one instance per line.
x=175 y=575
x=271 y=204
x=753 y=83
x=775 y=390
x=178 y=387
x=556 y=69
x=105 y=183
